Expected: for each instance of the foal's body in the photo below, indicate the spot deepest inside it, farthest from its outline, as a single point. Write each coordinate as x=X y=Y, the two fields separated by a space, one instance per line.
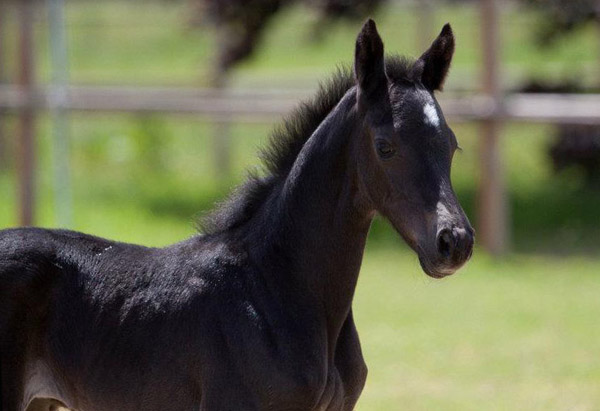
x=194 y=317
x=255 y=314
x=238 y=320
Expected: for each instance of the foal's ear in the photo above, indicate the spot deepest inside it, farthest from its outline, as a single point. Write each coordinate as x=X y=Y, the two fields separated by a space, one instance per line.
x=435 y=62
x=369 y=69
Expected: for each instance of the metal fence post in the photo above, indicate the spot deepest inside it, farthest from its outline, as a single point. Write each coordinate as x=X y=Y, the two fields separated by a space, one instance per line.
x=492 y=222
x=598 y=29
x=222 y=146
x=222 y=125
x=60 y=118
x=3 y=79
x=26 y=143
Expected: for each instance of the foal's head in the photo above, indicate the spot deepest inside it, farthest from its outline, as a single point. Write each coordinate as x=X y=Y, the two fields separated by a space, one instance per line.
x=408 y=175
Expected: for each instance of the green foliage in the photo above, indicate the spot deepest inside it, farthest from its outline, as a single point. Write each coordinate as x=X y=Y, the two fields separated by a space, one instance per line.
x=561 y=17
x=147 y=137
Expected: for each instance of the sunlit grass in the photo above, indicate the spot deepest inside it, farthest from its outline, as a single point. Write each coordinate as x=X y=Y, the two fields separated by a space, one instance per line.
x=514 y=334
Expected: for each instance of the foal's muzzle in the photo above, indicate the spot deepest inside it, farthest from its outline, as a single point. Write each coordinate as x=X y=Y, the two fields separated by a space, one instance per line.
x=454 y=247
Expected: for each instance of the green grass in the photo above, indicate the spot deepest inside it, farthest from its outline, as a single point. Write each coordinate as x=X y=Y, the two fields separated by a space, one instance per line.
x=515 y=333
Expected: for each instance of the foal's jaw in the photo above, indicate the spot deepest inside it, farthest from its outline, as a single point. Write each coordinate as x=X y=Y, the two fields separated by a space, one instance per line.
x=436 y=271
x=443 y=247
x=432 y=271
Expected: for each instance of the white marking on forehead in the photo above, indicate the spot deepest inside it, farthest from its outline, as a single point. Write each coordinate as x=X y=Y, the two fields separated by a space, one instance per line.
x=431 y=115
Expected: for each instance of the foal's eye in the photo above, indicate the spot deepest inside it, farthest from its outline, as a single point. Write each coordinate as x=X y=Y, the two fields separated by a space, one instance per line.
x=384 y=149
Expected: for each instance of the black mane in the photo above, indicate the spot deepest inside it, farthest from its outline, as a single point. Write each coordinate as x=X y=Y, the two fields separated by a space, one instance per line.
x=285 y=144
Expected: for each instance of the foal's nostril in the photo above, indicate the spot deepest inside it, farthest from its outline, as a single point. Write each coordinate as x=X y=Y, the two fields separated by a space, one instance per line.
x=445 y=243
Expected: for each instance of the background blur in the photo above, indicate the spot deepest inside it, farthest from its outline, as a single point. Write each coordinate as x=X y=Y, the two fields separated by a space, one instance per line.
x=128 y=119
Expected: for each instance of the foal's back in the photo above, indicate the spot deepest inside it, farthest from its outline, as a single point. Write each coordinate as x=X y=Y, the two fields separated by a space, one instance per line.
x=75 y=309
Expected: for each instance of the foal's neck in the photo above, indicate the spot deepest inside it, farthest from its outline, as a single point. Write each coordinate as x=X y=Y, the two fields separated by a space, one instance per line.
x=322 y=216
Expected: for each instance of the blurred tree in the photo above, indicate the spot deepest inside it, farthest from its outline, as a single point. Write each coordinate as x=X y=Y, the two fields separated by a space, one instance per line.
x=575 y=145
x=240 y=23
x=332 y=10
x=563 y=16
x=578 y=145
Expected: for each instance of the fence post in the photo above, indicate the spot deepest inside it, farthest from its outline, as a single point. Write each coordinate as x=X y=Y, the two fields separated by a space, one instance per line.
x=222 y=125
x=3 y=79
x=26 y=143
x=598 y=30
x=60 y=118
x=222 y=141
x=492 y=223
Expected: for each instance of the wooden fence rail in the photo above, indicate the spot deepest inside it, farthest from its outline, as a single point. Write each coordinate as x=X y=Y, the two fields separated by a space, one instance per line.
x=255 y=105
x=269 y=105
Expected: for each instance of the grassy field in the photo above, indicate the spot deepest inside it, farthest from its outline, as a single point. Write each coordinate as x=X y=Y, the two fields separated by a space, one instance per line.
x=519 y=332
